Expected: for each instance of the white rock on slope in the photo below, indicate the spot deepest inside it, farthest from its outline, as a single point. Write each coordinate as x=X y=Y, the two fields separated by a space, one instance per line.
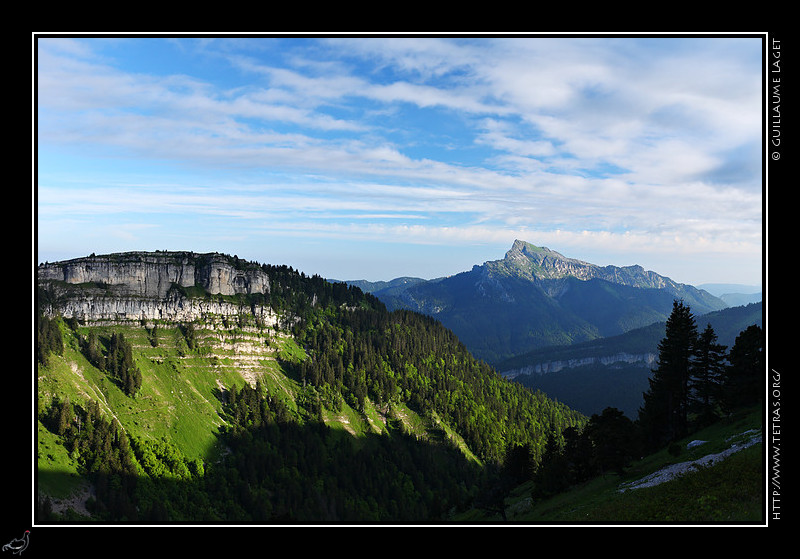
x=670 y=472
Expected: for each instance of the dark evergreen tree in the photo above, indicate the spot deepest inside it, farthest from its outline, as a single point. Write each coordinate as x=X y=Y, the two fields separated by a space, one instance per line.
x=663 y=416
x=61 y=416
x=744 y=377
x=119 y=362
x=519 y=462
x=48 y=338
x=551 y=474
x=579 y=454
x=706 y=377
x=189 y=335
x=93 y=350
x=614 y=440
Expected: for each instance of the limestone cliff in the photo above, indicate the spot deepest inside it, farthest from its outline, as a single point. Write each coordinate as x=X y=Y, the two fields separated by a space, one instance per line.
x=646 y=359
x=173 y=286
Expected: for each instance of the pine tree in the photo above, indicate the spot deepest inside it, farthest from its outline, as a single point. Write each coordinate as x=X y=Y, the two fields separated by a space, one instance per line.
x=93 y=351
x=551 y=475
x=579 y=453
x=63 y=416
x=664 y=414
x=706 y=382
x=519 y=461
x=613 y=438
x=744 y=377
x=48 y=338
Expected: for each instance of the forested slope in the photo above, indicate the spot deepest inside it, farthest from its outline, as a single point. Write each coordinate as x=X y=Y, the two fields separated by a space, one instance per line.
x=346 y=412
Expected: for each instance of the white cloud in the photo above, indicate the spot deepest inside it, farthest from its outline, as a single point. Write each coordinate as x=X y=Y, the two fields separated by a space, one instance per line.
x=623 y=143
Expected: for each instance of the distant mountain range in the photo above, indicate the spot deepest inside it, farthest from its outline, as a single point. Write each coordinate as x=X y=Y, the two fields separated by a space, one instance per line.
x=535 y=297
x=614 y=371
x=734 y=294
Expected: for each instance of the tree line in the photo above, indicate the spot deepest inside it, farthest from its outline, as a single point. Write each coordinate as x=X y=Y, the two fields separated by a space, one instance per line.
x=102 y=450
x=113 y=355
x=696 y=382
x=275 y=469
x=48 y=338
x=128 y=473
x=115 y=359
x=359 y=351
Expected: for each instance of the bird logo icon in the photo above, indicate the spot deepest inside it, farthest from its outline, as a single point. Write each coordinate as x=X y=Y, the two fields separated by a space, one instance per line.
x=18 y=545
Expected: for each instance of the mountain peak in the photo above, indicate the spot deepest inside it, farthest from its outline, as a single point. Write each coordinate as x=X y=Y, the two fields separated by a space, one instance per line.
x=528 y=260
x=536 y=263
x=531 y=251
x=522 y=248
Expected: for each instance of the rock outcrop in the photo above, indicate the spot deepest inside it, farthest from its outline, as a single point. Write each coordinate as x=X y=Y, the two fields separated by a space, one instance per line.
x=152 y=286
x=540 y=263
x=647 y=359
x=153 y=274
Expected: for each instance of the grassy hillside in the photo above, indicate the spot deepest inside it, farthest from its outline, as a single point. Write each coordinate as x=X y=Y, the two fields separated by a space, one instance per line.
x=180 y=399
x=729 y=491
x=183 y=390
x=180 y=396
x=215 y=394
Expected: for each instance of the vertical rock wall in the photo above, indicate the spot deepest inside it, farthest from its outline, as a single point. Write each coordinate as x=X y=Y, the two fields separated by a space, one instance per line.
x=142 y=285
x=146 y=274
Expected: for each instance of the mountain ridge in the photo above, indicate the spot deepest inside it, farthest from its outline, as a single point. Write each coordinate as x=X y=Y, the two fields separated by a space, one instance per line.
x=544 y=263
x=534 y=297
x=613 y=371
x=727 y=323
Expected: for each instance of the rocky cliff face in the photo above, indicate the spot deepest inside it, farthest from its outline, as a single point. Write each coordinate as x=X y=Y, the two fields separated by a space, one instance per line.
x=152 y=286
x=153 y=274
x=646 y=359
x=540 y=263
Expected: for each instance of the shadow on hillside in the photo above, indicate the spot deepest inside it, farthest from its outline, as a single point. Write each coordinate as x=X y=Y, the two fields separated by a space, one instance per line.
x=287 y=473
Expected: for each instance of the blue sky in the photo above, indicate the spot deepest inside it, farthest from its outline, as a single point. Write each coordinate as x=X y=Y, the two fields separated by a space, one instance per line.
x=377 y=157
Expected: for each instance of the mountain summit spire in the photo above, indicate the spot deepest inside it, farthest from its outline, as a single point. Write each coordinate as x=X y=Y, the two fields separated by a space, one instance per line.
x=535 y=262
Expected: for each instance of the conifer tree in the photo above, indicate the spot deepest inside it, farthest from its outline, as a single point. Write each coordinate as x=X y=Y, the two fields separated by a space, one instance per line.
x=63 y=416
x=579 y=453
x=551 y=475
x=119 y=362
x=48 y=338
x=93 y=351
x=706 y=382
x=663 y=416
x=744 y=377
x=613 y=438
x=519 y=460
